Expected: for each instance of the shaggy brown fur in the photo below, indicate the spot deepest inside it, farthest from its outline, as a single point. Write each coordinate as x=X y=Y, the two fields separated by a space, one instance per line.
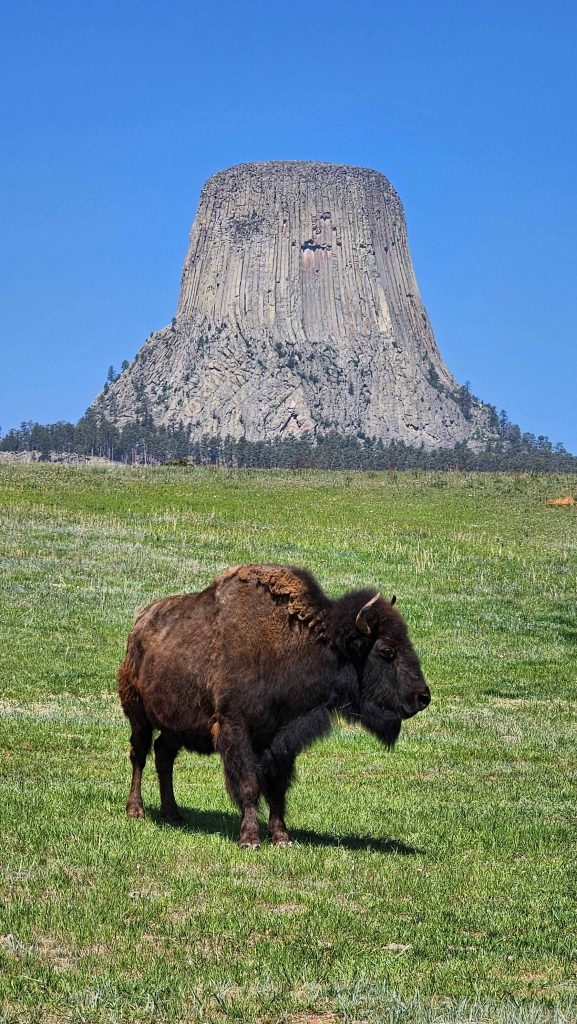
x=252 y=667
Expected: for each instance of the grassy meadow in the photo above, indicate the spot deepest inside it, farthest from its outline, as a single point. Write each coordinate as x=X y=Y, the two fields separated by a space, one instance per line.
x=433 y=884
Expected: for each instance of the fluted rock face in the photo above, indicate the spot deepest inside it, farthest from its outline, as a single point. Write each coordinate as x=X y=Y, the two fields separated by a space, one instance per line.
x=299 y=311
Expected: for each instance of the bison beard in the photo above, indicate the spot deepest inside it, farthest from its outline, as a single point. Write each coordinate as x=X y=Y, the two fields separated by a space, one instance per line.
x=253 y=667
x=385 y=725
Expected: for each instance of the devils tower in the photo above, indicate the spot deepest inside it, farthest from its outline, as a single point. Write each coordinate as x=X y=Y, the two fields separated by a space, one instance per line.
x=299 y=312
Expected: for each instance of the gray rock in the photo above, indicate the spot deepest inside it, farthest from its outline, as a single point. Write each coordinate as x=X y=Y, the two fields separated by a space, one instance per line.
x=299 y=312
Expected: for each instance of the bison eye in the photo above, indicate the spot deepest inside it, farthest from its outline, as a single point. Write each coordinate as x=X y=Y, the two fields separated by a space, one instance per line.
x=385 y=652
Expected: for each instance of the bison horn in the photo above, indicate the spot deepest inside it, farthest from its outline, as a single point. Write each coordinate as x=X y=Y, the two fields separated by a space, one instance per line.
x=361 y=619
x=393 y=600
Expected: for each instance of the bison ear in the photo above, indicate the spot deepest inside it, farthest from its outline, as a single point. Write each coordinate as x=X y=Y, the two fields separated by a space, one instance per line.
x=393 y=600
x=367 y=612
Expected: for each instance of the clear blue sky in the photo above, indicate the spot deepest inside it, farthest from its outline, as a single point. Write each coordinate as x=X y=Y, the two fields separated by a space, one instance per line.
x=114 y=113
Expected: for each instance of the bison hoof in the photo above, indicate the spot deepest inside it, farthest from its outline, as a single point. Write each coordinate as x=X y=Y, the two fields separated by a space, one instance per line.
x=281 y=839
x=174 y=818
x=135 y=810
x=250 y=844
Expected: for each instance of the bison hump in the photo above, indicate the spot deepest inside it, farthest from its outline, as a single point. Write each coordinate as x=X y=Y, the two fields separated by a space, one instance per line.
x=297 y=589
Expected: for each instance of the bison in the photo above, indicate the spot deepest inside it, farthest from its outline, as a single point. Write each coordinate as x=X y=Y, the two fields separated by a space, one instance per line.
x=253 y=667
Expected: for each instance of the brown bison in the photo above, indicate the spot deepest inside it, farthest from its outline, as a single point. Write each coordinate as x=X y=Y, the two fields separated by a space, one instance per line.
x=253 y=667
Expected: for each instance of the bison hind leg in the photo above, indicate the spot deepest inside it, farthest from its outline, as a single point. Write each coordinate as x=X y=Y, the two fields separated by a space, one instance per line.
x=140 y=738
x=166 y=747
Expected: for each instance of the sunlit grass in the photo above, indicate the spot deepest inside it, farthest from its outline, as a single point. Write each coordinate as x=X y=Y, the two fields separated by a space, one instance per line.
x=434 y=884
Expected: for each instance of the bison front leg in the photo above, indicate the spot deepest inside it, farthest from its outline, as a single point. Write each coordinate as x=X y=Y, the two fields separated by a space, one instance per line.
x=277 y=764
x=165 y=751
x=240 y=775
x=274 y=787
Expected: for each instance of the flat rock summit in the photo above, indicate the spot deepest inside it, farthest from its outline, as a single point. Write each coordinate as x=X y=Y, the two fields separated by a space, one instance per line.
x=299 y=313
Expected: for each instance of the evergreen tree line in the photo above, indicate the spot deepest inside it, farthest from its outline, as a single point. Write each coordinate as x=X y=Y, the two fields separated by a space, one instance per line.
x=142 y=442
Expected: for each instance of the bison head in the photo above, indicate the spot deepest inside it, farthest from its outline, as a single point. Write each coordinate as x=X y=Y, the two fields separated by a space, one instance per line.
x=391 y=684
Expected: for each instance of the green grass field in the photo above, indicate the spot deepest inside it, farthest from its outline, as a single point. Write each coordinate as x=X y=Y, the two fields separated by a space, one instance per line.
x=432 y=884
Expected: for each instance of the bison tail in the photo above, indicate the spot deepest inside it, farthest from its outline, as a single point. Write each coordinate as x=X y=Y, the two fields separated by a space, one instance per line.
x=129 y=696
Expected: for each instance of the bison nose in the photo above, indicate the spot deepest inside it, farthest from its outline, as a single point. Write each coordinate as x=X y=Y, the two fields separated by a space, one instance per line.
x=423 y=698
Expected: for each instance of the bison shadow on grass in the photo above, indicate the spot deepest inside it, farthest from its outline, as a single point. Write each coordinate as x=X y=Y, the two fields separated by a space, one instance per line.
x=225 y=823
x=254 y=667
